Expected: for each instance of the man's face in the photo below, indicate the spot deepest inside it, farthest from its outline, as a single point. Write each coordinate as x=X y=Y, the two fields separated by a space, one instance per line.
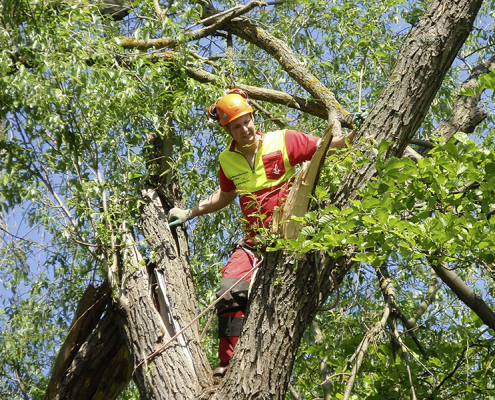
x=243 y=130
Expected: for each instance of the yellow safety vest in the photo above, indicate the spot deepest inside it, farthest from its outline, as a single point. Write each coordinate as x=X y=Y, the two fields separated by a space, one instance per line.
x=271 y=165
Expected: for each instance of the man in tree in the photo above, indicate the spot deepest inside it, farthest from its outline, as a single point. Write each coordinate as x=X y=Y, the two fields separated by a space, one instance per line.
x=259 y=167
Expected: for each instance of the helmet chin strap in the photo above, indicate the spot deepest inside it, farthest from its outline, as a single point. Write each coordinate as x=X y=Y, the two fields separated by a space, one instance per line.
x=249 y=145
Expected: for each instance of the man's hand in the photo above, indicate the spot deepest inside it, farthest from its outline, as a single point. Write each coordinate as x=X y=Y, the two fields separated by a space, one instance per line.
x=177 y=216
x=359 y=117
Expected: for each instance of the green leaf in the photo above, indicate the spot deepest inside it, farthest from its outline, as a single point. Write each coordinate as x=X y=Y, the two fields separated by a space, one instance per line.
x=364 y=257
x=308 y=230
x=486 y=81
x=383 y=146
x=461 y=168
x=371 y=203
x=461 y=137
x=490 y=168
x=466 y=91
x=321 y=193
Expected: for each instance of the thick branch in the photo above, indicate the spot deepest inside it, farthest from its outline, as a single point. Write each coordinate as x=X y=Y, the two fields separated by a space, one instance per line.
x=99 y=370
x=257 y=93
x=465 y=115
x=465 y=293
x=289 y=62
x=87 y=315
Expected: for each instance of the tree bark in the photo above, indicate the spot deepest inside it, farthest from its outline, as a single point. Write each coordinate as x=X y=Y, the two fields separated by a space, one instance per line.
x=282 y=304
x=264 y=356
x=147 y=321
x=99 y=370
x=287 y=290
x=414 y=81
x=465 y=293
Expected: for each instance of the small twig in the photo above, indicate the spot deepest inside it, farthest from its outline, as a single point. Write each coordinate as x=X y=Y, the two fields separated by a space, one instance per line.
x=360 y=91
x=146 y=18
x=277 y=121
x=465 y=62
x=237 y=11
x=212 y=18
x=131 y=42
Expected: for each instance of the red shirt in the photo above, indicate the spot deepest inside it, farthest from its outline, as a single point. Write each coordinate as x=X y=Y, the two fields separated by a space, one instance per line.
x=265 y=186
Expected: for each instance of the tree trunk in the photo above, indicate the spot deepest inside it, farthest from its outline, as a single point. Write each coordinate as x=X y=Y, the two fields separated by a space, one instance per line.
x=286 y=291
x=414 y=82
x=98 y=368
x=278 y=314
x=148 y=320
x=284 y=299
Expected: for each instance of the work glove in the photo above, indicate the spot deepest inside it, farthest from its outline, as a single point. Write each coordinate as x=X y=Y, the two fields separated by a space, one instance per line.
x=178 y=216
x=358 y=118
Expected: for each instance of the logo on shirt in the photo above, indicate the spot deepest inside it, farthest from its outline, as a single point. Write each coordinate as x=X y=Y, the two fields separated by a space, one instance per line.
x=276 y=170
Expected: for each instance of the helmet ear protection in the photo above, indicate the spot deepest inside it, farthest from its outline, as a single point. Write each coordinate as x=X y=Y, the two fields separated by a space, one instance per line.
x=212 y=112
x=231 y=106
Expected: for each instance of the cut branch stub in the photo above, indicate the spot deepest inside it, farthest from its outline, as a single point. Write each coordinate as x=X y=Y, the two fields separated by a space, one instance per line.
x=297 y=201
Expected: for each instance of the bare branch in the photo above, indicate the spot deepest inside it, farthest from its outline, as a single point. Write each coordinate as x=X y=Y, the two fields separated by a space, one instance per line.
x=131 y=42
x=404 y=356
x=256 y=93
x=363 y=347
x=290 y=63
x=159 y=12
x=465 y=115
x=465 y=293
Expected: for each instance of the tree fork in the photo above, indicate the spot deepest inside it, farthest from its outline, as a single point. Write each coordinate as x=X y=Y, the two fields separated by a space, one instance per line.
x=396 y=116
x=413 y=84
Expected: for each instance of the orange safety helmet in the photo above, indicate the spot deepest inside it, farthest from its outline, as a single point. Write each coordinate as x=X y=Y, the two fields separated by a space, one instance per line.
x=231 y=106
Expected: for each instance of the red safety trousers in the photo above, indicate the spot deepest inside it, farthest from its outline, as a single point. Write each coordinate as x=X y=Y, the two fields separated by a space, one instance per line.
x=231 y=311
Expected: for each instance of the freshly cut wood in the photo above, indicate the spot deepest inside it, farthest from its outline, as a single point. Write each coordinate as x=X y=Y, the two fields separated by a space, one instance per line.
x=297 y=201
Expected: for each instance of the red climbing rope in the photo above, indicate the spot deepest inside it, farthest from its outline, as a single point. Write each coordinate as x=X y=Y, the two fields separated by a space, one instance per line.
x=152 y=355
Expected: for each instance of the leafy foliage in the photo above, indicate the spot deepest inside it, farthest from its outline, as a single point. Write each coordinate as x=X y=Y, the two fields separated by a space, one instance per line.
x=79 y=113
